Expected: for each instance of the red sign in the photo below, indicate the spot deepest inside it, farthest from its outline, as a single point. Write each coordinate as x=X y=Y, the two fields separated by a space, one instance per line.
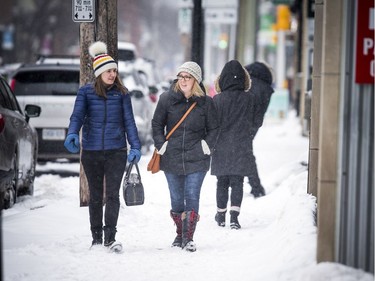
x=365 y=63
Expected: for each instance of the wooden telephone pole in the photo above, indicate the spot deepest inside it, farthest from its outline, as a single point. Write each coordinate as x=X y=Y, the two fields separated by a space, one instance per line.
x=103 y=28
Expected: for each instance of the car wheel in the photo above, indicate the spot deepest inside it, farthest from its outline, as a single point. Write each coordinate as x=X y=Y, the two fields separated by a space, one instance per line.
x=10 y=195
x=2 y=205
x=29 y=189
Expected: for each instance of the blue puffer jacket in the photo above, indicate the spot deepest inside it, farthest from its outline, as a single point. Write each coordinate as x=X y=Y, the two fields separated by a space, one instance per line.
x=107 y=123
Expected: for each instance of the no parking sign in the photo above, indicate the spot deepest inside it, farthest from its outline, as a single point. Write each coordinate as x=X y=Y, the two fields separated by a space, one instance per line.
x=365 y=63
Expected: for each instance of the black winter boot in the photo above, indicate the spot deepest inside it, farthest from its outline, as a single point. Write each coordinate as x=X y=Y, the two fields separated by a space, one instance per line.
x=109 y=236
x=189 y=223
x=97 y=237
x=177 y=220
x=258 y=191
x=220 y=218
x=234 y=224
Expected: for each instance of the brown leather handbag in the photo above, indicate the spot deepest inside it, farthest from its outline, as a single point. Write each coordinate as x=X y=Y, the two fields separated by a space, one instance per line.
x=154 y=164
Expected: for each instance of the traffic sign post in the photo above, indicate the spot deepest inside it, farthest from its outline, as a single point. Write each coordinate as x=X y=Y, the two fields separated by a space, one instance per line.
x=83 y=10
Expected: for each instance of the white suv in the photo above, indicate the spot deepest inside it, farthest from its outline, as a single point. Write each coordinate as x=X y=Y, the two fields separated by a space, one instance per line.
x=54 y=88
x=126 y=51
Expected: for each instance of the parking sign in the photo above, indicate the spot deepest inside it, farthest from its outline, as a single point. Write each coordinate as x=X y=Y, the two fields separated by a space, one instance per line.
x=83 y=10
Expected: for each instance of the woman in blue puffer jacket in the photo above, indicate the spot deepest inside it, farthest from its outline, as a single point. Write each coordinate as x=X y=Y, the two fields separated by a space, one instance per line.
x=104 y=111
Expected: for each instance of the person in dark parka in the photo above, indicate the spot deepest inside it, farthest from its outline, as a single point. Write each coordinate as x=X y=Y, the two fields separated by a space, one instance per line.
x=185 y=157
x=262 y=90
x=233 y=151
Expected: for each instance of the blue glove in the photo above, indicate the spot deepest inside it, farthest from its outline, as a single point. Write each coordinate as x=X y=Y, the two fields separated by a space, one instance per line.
x=72 y=143
x=134 y=155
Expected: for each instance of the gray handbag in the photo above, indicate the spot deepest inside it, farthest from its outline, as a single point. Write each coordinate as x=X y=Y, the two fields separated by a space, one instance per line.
x=134 y=194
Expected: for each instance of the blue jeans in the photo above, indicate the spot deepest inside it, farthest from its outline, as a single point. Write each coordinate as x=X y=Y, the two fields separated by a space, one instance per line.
x=185 y=191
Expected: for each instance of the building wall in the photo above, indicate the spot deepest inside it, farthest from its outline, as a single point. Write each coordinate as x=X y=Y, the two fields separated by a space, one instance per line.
x=341 y=163
x=355 y=232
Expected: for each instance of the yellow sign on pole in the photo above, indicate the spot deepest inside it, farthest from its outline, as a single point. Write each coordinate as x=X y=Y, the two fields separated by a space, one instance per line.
x=283 y=17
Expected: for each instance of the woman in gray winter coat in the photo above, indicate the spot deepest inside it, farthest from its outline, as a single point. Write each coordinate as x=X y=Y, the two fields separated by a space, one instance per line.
x=231 y=157
x=185 y=157
x=104 y=111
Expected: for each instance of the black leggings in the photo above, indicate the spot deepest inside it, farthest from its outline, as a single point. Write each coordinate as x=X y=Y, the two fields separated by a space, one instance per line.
x=100 y=165
x=222 y=191
x=254 y=180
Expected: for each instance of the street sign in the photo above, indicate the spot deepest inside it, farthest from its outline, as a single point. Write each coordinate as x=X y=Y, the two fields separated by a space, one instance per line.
x=184 y=20
x=185 y=4
x=219 y=4
x=83 y=10
x=220 y=15
x=365 y=62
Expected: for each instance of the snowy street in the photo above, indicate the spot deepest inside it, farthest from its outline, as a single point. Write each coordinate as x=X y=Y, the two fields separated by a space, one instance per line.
x=47 y=236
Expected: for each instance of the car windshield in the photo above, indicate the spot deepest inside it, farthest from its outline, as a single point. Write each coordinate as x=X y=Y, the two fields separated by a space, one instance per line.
x=43 y=83
x=126 y=55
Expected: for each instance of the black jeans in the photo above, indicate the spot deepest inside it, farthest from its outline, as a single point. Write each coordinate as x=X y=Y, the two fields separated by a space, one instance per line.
x=99 y=165
x=222 y=192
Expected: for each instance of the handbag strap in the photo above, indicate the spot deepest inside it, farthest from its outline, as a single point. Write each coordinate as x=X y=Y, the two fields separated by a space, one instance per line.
x=129 y=169
x=181 y=120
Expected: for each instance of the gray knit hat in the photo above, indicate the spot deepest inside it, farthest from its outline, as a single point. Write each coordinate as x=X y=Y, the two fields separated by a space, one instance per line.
x=192 y=68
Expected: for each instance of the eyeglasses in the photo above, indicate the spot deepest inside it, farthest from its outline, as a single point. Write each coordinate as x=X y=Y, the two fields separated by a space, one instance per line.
x=186 y=78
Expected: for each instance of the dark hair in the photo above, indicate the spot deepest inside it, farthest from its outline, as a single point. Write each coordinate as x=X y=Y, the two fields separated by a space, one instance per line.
x=101 y=88
x=261 y=71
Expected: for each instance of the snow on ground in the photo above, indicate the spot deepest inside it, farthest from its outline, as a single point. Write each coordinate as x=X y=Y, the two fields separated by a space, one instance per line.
x=47 y=236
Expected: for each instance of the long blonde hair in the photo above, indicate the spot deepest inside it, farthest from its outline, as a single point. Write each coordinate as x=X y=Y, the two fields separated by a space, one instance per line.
x=196 y=90
x=101 y=88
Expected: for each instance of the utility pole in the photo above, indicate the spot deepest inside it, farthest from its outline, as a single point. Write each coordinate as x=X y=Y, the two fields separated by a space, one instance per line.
x=197 y=34
x=101 y=26
x=87 y=36
x=107 y=25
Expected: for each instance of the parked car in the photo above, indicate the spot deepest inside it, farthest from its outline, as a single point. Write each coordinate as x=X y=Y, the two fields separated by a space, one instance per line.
x=128 y=55
x=126 y=51
x=52 y=86
x=143 y=106
x=18 y=147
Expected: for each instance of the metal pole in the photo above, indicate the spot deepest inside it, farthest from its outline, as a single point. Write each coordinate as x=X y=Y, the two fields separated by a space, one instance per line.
x=280 y=75
x=197 y=34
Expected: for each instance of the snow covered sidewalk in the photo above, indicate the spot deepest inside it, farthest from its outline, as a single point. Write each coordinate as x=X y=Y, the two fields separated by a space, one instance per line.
x=47 y=236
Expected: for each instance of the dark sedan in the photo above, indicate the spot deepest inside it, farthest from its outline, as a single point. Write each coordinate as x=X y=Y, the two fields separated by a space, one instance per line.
x=18 y=147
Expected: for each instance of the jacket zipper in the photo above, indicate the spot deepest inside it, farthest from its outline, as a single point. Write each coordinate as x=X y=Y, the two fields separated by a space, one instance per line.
x=104 y=122
x=183 y=141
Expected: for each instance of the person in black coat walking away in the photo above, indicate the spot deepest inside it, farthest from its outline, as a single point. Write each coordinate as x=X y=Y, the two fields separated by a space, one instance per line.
x=104 y=111
x=232 y=153
x=185 y=157
x=261 y=88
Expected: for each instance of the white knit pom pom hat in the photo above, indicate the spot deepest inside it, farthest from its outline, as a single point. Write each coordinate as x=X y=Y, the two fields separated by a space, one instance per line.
x=101 y=60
